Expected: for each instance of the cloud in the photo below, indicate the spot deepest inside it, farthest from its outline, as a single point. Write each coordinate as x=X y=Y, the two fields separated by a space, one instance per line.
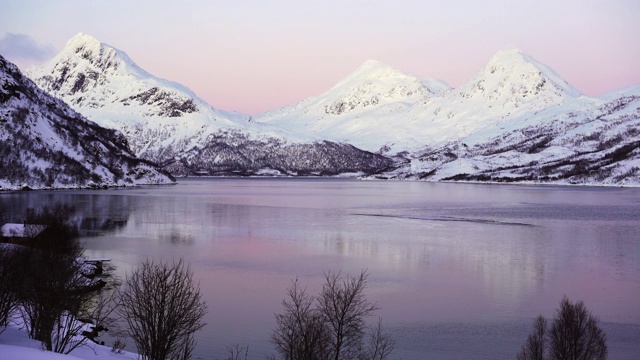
x=21 y=48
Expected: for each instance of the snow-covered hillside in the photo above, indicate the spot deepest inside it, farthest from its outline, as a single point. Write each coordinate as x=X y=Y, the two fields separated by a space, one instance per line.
x=581 y=141
x=167 y=123
x=44 y=143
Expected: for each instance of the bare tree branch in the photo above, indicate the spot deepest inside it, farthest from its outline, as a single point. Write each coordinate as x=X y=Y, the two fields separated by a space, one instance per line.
x=163 y=307
x=534 y=348
x=335 y=328
x=574 y=334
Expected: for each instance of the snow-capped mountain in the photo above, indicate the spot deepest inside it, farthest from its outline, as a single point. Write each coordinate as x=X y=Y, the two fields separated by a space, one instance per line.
x=365 y=109
x=167 y=123
x=380 y=109
x=44 y=143
x=516 y=120
x=532 y=126
x=510 y=81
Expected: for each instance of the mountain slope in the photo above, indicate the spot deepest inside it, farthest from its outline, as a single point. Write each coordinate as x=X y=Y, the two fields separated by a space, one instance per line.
x=167 y=123
x=581 y=141
x=44 y=143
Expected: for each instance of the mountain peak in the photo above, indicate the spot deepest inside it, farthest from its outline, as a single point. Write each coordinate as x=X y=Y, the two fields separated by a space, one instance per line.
x=85 y=54
x=372 y=64
x=88 y=47
x=87 y=70
x=85 y=47
x=513 y=56
x=80 y=40
x=369 y=70
x=514 y=76
x=509 y=50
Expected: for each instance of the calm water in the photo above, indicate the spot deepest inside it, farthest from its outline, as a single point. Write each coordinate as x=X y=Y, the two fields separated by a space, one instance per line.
x=459 y=270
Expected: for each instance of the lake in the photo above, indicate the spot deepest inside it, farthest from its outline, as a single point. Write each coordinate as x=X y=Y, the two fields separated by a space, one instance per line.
x=459 y=271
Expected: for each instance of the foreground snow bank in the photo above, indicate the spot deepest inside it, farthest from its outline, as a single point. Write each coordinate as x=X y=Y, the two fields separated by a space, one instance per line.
x=16 y=345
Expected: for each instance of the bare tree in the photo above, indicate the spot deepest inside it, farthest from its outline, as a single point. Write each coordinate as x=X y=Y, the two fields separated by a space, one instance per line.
x=9 y=284
x=345 y=308
x=574 y=335
x=237 y=352
x=534 y=348
x=163 y=308
x=301 y=332
x=336 y=328
x=51 y=298
x=381 y=344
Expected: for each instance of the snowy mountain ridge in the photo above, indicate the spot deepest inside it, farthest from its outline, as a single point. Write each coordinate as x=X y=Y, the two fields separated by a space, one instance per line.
x=167 y=123
x=515 y=113
x=46 y=144
x=370 y=92
x=410 y=113
x=516 y=120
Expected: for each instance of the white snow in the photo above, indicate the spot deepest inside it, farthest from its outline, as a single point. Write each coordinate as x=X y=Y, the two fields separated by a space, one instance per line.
x=20 y=230
x=16 y=345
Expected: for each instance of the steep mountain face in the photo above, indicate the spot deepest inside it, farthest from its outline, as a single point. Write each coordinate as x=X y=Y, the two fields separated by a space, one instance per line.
x=167 y=123
x=44 y=143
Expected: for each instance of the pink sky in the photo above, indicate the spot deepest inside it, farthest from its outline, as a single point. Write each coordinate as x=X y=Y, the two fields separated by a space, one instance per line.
x=254 y=56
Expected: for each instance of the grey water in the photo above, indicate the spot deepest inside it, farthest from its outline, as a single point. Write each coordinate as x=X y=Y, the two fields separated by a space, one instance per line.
x=459 y=271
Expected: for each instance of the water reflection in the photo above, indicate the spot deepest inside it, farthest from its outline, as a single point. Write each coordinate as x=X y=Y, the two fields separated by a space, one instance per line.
x=511 y=253
x=96 y=226
x=96 y=213
x=178 y=237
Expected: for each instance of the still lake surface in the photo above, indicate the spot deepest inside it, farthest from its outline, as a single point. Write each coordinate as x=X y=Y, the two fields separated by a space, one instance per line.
x=459 y=271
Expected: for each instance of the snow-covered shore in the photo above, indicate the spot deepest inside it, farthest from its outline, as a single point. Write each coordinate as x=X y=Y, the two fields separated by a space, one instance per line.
x=16 y=345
